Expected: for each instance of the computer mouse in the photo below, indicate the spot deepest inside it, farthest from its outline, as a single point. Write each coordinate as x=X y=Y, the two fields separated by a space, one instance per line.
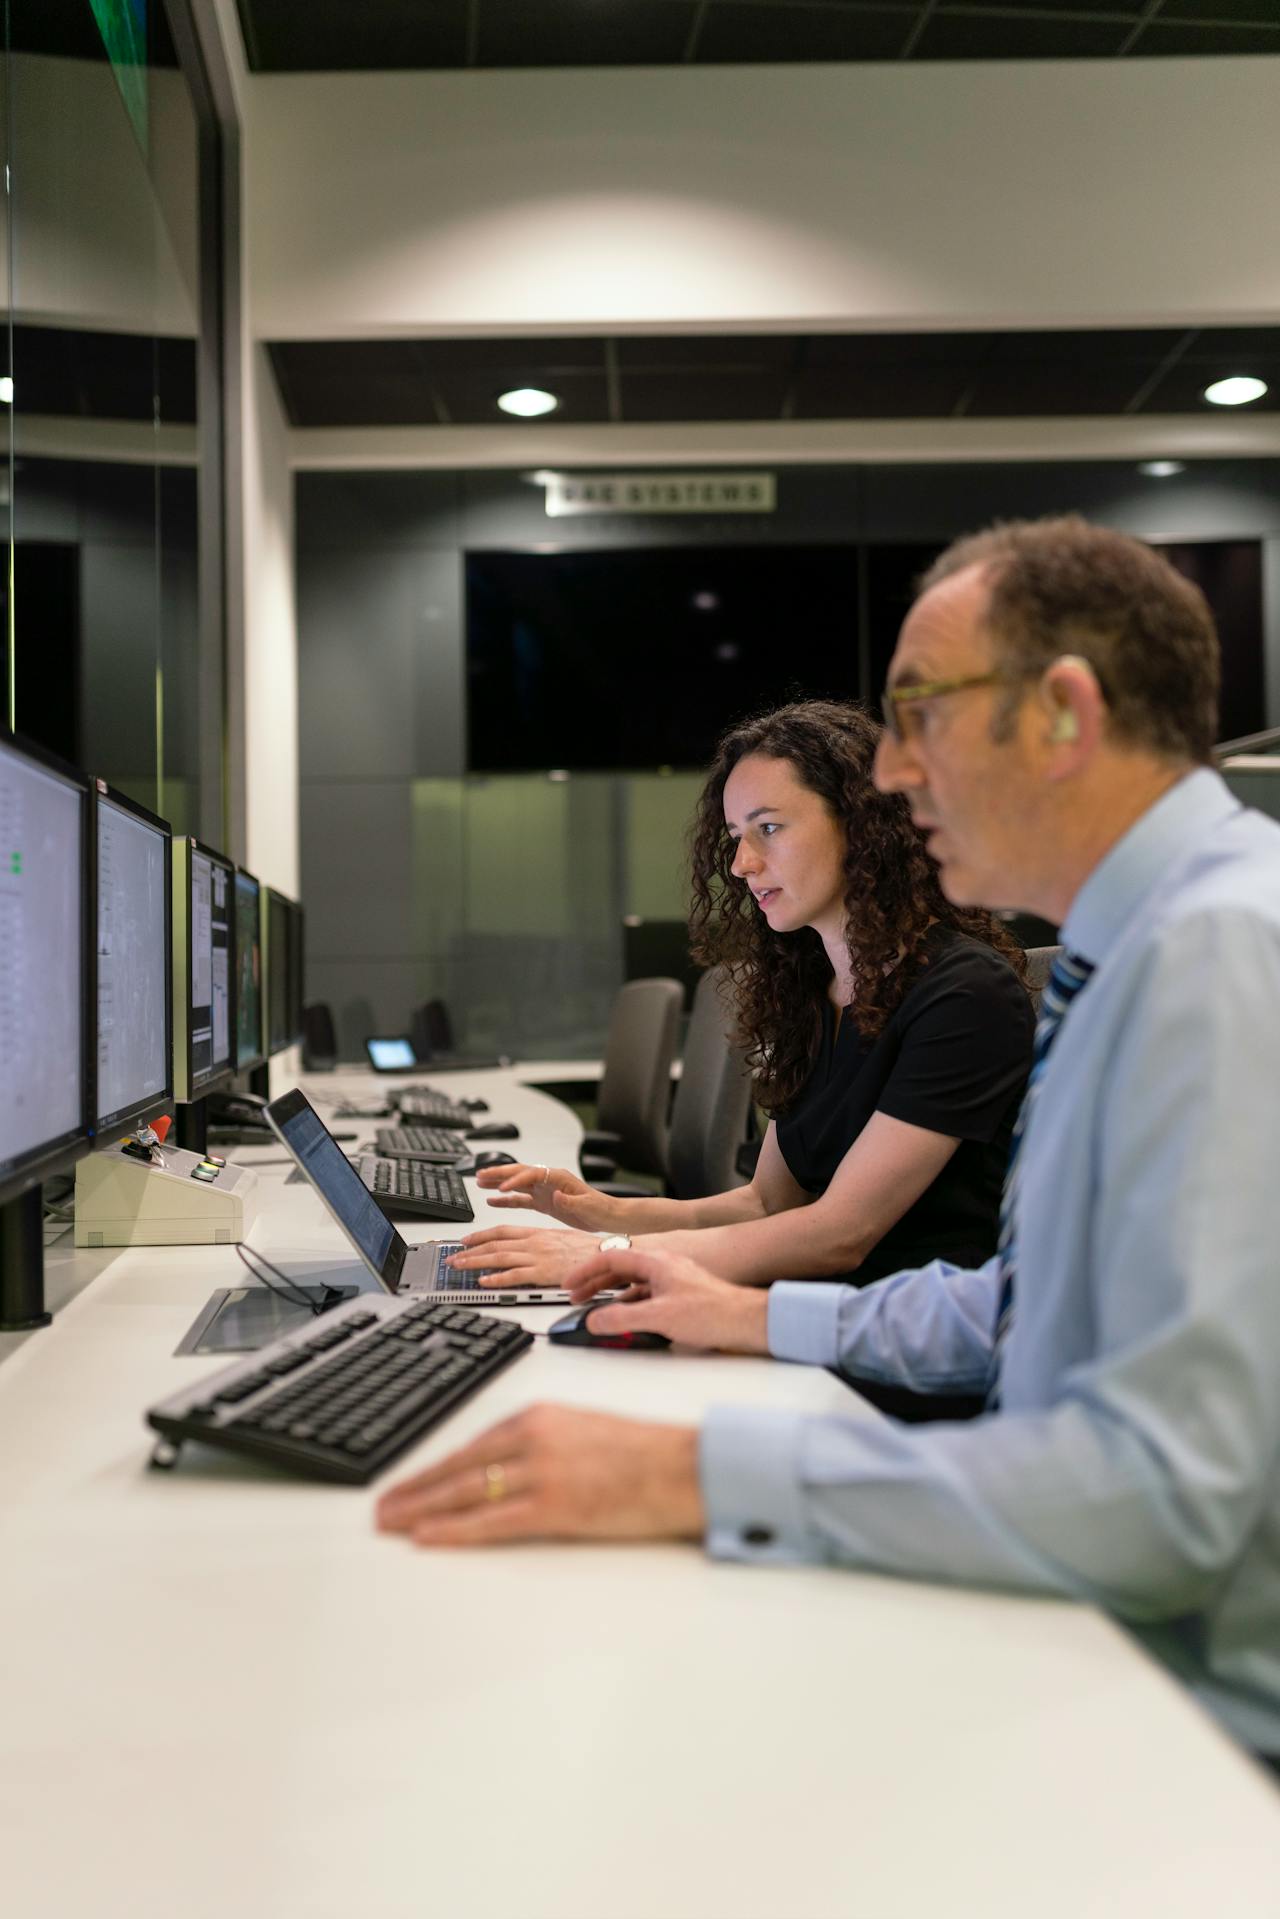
x=494 y=1129
x=574 y=1330
x=482 y=1160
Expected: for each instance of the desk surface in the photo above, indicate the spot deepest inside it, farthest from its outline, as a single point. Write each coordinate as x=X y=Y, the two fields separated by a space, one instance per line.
x=221 y=1691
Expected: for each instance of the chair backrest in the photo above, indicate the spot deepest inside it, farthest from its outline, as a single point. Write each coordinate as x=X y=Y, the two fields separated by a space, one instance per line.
x=713 y=1098
x=319 y=1038
x=1039 y=966
x=635 y=1083
x=431 y=1029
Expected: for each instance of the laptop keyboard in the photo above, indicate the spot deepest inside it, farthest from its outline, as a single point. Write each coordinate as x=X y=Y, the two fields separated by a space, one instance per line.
x=343 y=1396
x=434 y=1192
x=426 y=1142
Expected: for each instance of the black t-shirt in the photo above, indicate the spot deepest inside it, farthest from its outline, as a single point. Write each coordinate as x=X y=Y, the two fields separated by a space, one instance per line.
x=953 y=1058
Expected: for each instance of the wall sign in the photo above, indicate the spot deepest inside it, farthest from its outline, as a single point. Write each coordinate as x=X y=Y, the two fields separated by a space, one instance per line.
x=659 y=493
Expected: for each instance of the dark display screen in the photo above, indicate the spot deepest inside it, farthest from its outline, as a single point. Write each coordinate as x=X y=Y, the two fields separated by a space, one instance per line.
x=641 y=657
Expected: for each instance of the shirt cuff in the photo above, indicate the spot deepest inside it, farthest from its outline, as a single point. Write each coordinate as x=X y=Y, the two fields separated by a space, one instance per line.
x=804 y=1321
x=748 y=1464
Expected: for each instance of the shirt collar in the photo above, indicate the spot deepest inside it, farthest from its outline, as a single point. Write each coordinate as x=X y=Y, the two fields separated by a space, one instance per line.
x=1120 y=881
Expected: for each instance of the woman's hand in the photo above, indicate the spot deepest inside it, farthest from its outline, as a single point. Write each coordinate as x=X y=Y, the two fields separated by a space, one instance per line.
x=671 y=1295
x=551 y=1190
x=524 y=1255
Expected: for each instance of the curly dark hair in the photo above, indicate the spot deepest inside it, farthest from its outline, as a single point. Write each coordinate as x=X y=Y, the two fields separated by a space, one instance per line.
x=892 y=896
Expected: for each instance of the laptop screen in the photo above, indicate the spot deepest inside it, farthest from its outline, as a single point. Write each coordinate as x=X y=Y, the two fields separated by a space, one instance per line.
x=390 y=1055
x=339 y=1185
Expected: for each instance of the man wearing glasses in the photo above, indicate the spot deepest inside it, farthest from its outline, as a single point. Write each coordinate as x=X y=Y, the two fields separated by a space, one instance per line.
x=1050 y=711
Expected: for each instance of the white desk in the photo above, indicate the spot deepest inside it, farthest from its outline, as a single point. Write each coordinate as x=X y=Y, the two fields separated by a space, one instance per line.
x=222 y=1693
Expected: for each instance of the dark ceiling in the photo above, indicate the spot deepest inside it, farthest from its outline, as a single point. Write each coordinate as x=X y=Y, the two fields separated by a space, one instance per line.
x=773 y=376
x=333 y=35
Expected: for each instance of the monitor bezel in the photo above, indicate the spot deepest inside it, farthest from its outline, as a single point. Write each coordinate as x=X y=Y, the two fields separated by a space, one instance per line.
x=129 y=1118
x=297 y=967
x=187 y=1091
x=60 y=1155
x=258 y=1058
x=271 y=959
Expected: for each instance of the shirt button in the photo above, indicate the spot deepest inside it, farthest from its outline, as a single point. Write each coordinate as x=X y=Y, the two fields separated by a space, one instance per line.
x=757 y=1535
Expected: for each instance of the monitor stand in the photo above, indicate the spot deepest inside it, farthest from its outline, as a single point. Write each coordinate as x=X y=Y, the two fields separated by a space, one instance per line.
x=22 y=1306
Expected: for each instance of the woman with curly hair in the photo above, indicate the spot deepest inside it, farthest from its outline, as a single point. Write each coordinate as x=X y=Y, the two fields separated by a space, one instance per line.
x=888 y=1030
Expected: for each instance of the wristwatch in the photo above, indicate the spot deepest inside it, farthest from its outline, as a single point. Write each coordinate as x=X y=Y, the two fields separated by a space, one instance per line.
x=615 y=1243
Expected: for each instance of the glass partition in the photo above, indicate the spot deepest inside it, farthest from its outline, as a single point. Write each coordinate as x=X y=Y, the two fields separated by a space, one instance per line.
x=103 y=253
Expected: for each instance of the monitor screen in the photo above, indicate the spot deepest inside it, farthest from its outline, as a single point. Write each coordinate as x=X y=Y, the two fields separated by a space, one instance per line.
x=337 y=1181
x=209 y=992
x=278 y=944
x=134 y=1038
x=43 y=965
x=564 y=650
x=248 y=972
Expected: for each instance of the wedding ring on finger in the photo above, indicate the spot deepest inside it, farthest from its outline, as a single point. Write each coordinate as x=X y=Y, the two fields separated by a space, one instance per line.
x=495 y=1485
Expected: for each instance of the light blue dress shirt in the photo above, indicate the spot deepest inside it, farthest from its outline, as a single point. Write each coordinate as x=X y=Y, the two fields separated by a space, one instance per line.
x=1135 y=1458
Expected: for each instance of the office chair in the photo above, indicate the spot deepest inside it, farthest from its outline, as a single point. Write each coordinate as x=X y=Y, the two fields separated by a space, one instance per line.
x=431 y=1029
x=710 y=1112
x=709 y=1115
x=1039 y=966
x=635 y=1085
x=319 y=1039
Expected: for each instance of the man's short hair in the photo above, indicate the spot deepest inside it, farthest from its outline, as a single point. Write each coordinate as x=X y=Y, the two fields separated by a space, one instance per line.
x=1063 y=586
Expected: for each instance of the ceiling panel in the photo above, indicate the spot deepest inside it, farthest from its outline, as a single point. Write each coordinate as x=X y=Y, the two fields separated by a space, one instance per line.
x=748 y=32
x=297 y=35
x=1031 y=36
x=516 y=33
x=1169 y=38
x=329 y=36
x=773 y=376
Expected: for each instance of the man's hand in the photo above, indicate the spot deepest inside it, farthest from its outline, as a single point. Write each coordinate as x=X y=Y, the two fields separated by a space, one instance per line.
x=555 y=1473
x=672 y=1295
x=549 y=1189
x=523 y=1255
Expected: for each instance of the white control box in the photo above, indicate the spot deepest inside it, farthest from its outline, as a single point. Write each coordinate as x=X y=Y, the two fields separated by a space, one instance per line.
x=125 y=1201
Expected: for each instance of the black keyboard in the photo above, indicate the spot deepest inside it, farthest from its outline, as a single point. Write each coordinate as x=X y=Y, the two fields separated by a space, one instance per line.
x=408 y=1186
x=422 y=1103
x=420 y=1142
x=344 y=1395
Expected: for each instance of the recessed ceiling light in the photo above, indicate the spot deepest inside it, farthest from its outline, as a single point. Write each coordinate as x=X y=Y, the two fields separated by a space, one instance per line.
x=527 y=402
x=1237 y=391
x=6 y=390
x=1161 y=469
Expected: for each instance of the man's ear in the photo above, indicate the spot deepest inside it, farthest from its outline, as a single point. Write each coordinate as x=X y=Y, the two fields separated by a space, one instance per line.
x=1075 y=711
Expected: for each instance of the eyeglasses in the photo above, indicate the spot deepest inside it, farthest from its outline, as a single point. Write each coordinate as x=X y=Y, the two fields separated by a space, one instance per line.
x=894 y=698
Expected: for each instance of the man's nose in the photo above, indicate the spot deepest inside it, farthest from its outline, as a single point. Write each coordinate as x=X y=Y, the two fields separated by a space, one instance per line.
x=894 y=769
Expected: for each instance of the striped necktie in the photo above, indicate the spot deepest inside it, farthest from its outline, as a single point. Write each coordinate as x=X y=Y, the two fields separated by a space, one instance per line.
x=1068 y=975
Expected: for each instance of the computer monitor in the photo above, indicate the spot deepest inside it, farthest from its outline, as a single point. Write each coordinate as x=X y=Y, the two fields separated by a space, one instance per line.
x=203 y=974
x=250 y=1041
x=297 y=971
x=46 y=1108
x=132 y=881
x=275 y=928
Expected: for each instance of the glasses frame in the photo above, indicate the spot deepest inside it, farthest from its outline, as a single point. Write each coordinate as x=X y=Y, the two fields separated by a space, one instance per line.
x=895 y=697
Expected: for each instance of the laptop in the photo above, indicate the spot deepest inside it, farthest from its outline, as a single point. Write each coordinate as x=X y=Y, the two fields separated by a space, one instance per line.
x=396 y=1053
x=399 y=1268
